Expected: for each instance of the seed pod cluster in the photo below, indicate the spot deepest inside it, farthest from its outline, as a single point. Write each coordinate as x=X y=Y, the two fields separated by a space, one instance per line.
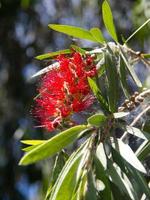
x=135 y=100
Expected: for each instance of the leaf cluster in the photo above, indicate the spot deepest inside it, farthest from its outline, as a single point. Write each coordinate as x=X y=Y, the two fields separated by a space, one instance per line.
x=104 y=166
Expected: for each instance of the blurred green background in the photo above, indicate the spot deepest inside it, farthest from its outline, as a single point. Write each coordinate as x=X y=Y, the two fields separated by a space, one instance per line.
x=24 y=34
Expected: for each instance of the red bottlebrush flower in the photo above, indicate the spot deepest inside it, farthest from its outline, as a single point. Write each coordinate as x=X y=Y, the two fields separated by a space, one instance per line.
x=64 y=90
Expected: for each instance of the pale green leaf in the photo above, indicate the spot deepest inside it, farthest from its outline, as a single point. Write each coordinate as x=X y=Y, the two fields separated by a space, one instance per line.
x=112 y=79
x=145 y=151
x=145 y=55
x=101 y=174
x=29 y=148
x=98 y=94
x=97 y=34
x=32 y=142
x=127 y=153
x=53 y=54
x=138 y=183
x=101 y=155
x=123 y=77
x=78 y=49
x=91 y=190
x=117 y=179
x=53 y=145
x=68 y=178
x=130 y=69
x=108 y=20
x=120 y=114
x=73 y=31
x=96 y=119
x=137 y=132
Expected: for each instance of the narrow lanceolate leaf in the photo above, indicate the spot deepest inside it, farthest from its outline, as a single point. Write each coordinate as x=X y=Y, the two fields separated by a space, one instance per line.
x=137 y=132
x=53 y=145
x=101 y=155
x=98 y=94
x=46 y=69
x=101 y=174
x=120 y=114
x=117 y=179
x=81 y=188
x=32 y=142
x=52 y=54
x=73 y=31
x=123 y=77
x=127 y=153
x=97 y=119
x=91 y=190
x=108 y=20
x=97 y=34
x=58 y=165
x=130 y=69
x=145 y=151
x=67 y=180
x=29 y=148
x=112 y=78
x=136 y=178
x=78 y=49
x=145 y=55
x=140 y=185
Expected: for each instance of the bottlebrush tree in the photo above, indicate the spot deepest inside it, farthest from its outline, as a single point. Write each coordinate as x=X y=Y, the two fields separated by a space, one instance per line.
x=94 y=82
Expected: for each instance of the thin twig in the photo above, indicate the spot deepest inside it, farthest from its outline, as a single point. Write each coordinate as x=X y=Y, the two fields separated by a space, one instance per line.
x=139 y=116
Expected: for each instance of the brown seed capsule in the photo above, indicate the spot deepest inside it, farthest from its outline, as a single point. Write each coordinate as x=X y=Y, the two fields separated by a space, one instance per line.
x=126 y=101
x=136 y=93
x=132 y=98
x=139 y=98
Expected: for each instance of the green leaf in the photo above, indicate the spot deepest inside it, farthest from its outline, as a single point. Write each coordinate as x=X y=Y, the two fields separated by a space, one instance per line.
x=135 y=32
x=80 y=193
x=118 y=195
x=97 y=34
x=33 y=142
x=145 y=151
x=98 y=94
x=69 y=176
x=120 y=114
x=78 y=49
x=131 y=172
x=53 y=54
x=29 y=148
x=140 y=183
x=53 y=145
x=112 y=78
x=123 y=77
x=137 y=132
x=101 y=155
x=58 y=165
x=91 y=190
x=108 y=20
x=97 y=119
x=116 y=178
x=145 y=55
x=125 y=151
x=130 y=69
x=73 y=31
x=45 y=70
x=102 y=175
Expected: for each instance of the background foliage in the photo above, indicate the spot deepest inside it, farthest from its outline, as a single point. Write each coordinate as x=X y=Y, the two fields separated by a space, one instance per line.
x=24 y=34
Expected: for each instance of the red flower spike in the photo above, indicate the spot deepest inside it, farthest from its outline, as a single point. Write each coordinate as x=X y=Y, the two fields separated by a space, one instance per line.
x=64 y=90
